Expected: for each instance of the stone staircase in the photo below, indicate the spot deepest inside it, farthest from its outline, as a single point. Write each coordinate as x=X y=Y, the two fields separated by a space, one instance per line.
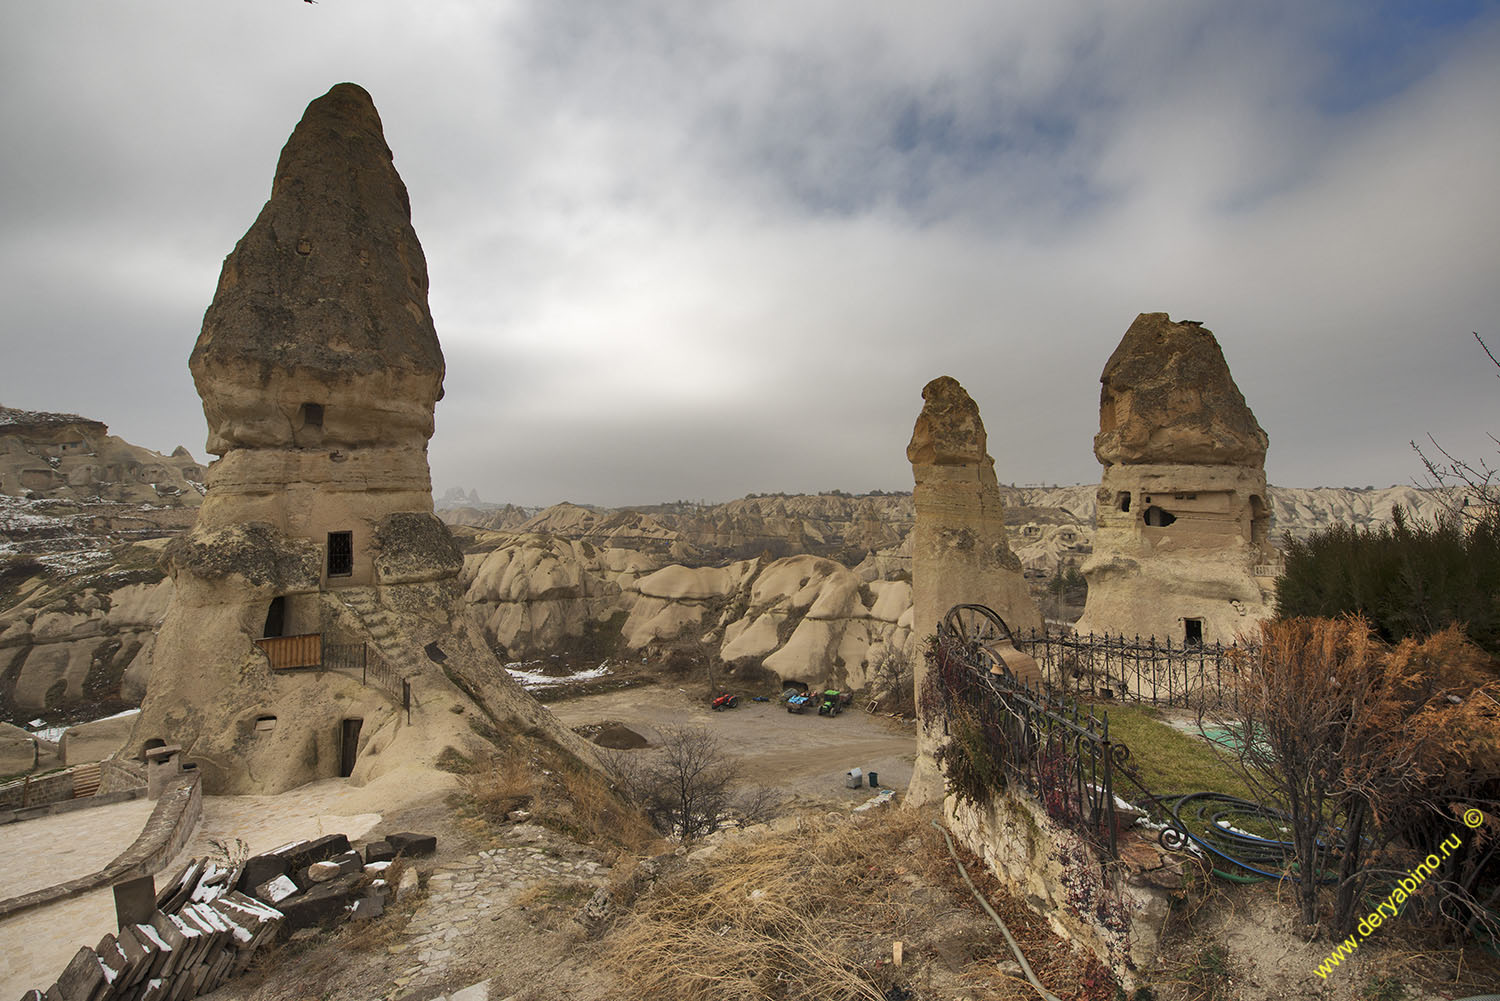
x=390 y=657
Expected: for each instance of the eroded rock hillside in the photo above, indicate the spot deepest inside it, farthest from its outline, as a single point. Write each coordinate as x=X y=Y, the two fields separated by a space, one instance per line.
x=68 y=485
x=804 y=618
x=807 y=587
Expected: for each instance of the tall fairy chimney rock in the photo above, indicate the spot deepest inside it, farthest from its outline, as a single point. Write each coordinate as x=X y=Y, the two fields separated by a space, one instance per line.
x=1183 y=519
x=318 y=363
x=317 y=545
x=960 y=554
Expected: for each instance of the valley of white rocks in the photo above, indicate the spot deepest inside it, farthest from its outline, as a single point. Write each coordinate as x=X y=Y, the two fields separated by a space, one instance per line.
x=812 y=588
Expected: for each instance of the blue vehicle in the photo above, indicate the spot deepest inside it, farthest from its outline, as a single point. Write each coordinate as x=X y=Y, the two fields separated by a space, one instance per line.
x=799 y=702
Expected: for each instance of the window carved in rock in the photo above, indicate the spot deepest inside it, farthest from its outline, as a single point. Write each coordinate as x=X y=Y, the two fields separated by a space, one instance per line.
x=340 y=554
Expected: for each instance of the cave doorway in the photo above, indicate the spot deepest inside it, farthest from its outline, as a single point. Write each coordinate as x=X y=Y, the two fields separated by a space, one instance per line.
x=1192 y=632
x=275 y=618
x=349 y=745
x=1158 y=518
x=340 y=554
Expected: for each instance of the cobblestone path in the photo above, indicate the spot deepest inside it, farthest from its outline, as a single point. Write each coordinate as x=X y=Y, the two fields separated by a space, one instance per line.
x=465 y=897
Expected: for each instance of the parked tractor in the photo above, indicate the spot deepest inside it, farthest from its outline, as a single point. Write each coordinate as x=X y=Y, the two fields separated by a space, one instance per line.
x=834 y=702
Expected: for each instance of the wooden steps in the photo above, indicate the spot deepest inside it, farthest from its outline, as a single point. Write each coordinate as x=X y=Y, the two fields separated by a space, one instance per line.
x=86 y=780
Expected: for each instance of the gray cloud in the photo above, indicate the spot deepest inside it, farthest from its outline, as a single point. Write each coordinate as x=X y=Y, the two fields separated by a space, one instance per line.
x=694 y=252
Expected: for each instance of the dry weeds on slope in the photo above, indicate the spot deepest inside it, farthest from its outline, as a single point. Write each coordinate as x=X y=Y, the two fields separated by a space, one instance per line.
x=813 y=915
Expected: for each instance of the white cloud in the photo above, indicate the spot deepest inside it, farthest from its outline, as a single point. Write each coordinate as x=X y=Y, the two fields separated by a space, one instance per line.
x=700 y=251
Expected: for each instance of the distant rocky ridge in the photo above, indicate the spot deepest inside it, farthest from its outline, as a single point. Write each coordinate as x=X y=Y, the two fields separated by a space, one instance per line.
x=66 y=481
x=851 y=526
x=80 y=595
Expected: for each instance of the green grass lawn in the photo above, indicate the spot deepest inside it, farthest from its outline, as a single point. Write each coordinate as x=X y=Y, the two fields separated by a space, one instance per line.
x=1166 y=759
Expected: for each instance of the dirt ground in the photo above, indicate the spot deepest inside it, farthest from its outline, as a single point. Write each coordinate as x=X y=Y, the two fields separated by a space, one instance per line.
x=806 y=756
x=503 y=904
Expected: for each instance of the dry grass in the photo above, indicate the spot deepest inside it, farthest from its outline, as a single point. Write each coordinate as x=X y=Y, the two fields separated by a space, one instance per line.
x=813 y=915
x=600 y=812
x=779 y=917
x=496 y=788
x=559 y=792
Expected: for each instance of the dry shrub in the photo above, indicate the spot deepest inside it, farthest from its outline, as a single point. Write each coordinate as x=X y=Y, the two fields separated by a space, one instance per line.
x=504 y=784
x=1373 y=753
x=599 y=813
x=788 y=917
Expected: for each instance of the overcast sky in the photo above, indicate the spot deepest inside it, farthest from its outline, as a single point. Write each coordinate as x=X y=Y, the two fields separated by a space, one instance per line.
x=693 y=250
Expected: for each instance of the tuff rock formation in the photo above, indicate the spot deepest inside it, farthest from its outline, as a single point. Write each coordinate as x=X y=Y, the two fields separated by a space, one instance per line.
x=1183 y=519
x=959 y=550
x=319 y=367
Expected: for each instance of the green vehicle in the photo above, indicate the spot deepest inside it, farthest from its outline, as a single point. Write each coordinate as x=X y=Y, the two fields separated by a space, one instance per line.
x=834 y=702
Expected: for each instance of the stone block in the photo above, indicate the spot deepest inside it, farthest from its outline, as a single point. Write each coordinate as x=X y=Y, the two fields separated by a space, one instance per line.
x=379 y=851
x=162 y=952
x=412 y=845
x=179 y=889
x=301 y=856
x=274 y=891
x=83 y=977
x=138 y=957
x=192 y=943
x=368 y=907
x=111 y=957
x=329 y=869
x=475 y=992
x=135 y=900
x=260 y=869
x=168 y=931
x=323 y=904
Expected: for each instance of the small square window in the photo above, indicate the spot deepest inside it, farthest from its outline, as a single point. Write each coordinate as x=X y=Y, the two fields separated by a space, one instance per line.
x=340 y=554
x=312 y=415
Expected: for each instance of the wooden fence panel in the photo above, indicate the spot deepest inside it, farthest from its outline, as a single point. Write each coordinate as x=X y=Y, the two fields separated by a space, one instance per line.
x=286 y=652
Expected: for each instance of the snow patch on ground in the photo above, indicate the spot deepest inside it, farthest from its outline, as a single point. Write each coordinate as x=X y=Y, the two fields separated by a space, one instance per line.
x=537 y=679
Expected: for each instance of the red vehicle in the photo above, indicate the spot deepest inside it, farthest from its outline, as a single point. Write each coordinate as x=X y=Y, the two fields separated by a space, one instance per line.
x=725 y=701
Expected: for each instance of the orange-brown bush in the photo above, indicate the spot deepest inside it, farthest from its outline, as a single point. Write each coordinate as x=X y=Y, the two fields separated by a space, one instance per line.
x=1370 y=749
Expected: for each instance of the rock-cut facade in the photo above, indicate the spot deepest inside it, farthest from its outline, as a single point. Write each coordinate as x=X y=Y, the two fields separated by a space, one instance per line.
x=1182 y=547
x=317 y=626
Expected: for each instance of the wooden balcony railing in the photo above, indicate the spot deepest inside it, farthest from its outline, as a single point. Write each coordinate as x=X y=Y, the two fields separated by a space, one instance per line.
x=288 y=652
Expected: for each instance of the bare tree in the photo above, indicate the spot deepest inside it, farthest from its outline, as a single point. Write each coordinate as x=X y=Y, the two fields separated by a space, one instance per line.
x=1471 y=489
x=684 y=785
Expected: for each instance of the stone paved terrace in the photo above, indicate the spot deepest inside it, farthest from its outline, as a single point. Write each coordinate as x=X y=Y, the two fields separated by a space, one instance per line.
x=37 y=945
x=49 y=850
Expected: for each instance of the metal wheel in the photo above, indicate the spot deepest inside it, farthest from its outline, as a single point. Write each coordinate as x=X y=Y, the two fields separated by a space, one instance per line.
x=976 y=626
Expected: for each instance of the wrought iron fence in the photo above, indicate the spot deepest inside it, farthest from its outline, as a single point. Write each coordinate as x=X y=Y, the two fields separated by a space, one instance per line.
x=1056 y=749
x=1195 y=676
x=308 y=651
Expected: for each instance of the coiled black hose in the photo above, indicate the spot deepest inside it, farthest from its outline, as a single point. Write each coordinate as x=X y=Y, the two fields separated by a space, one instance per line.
x=1216 y=824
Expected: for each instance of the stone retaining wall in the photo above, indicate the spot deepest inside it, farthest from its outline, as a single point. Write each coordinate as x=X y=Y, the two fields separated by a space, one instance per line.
x=118 y=773
x=70 y=805
x=1115 y=909
x=52 y=788
x=170 y=826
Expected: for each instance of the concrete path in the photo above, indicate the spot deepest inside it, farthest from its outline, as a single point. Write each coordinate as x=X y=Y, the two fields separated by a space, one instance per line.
x=50 y=850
